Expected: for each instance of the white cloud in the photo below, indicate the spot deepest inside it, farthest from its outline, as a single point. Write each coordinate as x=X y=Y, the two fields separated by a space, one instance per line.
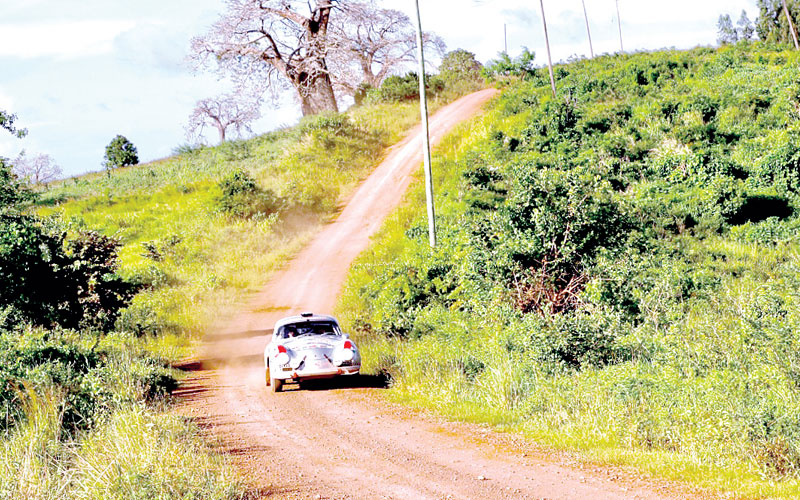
x=65 y=40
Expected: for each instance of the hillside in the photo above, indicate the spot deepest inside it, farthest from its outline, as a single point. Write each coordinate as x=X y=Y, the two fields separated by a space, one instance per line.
x=109 y=278
x=617 y=268
x=198 y=228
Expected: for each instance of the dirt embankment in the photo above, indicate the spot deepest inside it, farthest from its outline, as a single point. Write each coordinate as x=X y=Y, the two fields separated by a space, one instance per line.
x=341 y=440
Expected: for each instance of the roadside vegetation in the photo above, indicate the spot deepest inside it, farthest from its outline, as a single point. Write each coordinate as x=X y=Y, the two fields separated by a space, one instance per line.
x=617 y=270
x=106 y=281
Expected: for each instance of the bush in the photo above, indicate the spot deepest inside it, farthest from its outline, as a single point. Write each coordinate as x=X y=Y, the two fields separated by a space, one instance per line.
x=82 y=287
x=405 y=88
x=241 y=196
x=14 y=193
x=461 y=73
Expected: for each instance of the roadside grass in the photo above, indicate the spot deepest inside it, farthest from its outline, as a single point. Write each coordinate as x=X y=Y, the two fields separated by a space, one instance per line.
x=136 y=454
x=700 y=387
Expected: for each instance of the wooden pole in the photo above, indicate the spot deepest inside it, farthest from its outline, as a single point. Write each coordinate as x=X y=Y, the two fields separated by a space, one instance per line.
x=426 y=149
x=547 y=43
x=588 y=31
x=791 y=25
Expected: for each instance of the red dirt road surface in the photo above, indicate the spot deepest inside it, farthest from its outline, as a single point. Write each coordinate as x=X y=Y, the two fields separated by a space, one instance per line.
x=340 y=440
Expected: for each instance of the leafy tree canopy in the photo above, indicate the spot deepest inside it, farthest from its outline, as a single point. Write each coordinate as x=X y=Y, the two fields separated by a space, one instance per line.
x=120 y=152
x=726 y=33
x=459 y=64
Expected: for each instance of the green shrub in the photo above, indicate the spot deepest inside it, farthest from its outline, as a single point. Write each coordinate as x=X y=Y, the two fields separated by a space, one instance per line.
x=397 y=88
x=82 y=289
x=242 y=197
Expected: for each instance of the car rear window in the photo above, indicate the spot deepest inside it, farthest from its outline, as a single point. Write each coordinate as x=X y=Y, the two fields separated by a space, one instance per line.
x=308 y=328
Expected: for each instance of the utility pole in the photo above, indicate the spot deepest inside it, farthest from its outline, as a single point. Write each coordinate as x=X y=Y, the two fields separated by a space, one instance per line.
x=791 y=25
x=547 y=43
x=426 y=158
x=619 y=25
x=588 y=31
x=505 y=38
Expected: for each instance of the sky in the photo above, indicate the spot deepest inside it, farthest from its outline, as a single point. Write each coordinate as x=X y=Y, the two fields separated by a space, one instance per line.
x=79 y=72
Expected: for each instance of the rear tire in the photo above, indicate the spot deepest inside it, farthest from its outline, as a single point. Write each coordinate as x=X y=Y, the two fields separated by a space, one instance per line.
x=277 y=384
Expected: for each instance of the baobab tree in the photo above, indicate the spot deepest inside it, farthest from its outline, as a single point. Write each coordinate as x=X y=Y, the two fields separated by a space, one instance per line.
x=368 y=43
x=284 y=43
x=225 y=113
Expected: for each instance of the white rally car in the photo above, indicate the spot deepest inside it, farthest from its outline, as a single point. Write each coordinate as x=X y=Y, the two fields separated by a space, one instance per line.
x=308 y=346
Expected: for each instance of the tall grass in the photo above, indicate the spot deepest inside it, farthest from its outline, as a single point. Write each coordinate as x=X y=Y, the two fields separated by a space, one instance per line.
x=136 y=454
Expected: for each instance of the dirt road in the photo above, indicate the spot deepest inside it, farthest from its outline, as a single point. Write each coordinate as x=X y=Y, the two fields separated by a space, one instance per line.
x=342 y=441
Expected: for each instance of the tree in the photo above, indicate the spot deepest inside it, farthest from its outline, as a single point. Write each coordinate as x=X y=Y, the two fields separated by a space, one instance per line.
x=726 y=33
x=505 y=67
x=746 y=29
x=460 y=69
x=369 y=43
x=460 y=63
x=38 y=169
x=777 y=20
x=120 y=152
x=272 y=41
x=226 y=112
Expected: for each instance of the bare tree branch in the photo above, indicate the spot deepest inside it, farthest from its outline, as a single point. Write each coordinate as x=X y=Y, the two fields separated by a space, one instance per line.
x=38 y=169
x=228 y=112
x=368 y=43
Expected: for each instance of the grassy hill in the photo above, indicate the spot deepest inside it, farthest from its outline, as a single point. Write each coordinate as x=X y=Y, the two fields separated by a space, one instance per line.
x=617 y=270
x=202 y=228
x=81 y=403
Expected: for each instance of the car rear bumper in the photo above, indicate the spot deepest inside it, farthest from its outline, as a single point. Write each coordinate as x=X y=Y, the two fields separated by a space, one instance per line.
x=307 y=374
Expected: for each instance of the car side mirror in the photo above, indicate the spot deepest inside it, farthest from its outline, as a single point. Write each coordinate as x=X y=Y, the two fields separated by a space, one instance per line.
x=346 y=335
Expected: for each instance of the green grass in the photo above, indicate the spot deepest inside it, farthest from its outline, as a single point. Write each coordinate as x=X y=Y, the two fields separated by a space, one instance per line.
x=136 y=453
x=679 y=355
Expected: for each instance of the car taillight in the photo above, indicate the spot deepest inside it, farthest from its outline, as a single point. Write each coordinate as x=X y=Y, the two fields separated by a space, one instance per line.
x=345 y=354
x=282 y=357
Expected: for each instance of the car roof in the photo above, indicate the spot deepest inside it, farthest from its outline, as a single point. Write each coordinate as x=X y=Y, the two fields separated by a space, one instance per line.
x=303 y=319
